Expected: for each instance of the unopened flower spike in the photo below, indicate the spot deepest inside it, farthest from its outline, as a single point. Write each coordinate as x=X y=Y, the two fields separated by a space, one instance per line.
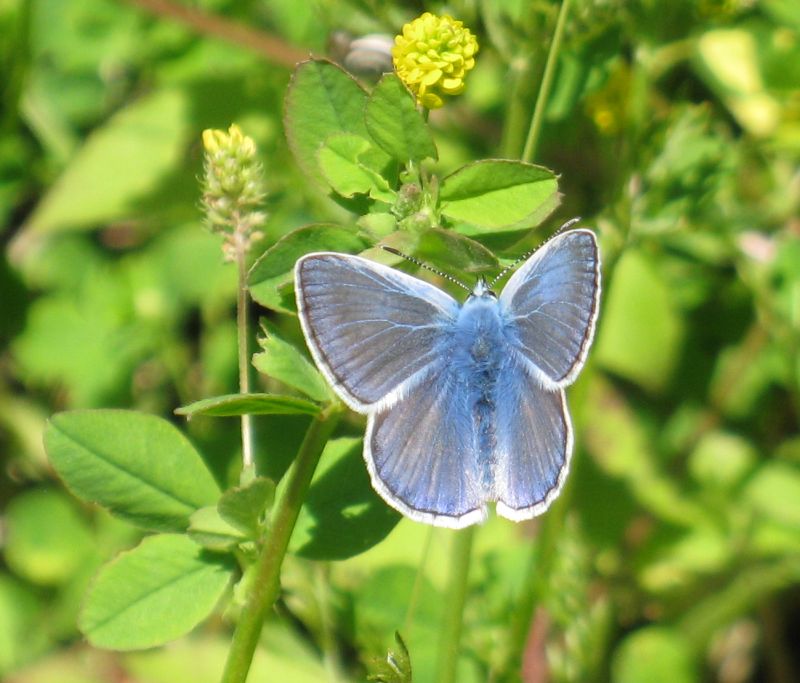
x=432 y=56
x=233 y=188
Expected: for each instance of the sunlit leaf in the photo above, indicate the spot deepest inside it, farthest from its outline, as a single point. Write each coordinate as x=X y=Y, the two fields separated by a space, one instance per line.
x=154 y=593
x=498 y=193
x=249 y=404
x=322 y=100
x=139 y=467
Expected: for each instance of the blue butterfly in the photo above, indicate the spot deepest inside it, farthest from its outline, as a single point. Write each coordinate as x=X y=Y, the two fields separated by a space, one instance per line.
x=465 y=403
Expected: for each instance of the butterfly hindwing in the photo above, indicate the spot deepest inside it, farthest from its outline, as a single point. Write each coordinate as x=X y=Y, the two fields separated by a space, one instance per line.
x=422 y=453
x=533 y=443
x=551 y=303
x=370 y=328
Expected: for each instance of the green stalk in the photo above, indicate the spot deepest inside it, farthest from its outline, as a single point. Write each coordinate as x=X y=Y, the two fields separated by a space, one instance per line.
x=535 y=129
x=453 y=617
x=264 y=585
x=520 y=91
x=327 y=637
x=541 y=558
x=417 y=587
x=242 y=330
x=540 y=563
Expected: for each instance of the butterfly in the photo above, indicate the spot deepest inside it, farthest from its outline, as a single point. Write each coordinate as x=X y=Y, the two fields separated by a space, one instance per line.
x=465 y=402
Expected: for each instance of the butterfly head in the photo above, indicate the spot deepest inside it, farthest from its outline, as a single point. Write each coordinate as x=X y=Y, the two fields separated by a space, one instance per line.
x=481 y=290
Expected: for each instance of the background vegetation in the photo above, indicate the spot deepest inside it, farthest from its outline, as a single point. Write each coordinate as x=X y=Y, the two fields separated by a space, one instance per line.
x=673 y=554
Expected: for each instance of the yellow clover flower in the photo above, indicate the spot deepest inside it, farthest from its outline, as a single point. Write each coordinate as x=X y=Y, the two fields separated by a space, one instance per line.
x=233 y=188
x=234 y=141
x=432 y=56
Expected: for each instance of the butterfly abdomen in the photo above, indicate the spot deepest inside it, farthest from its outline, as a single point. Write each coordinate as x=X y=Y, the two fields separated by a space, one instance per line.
x=478 y=359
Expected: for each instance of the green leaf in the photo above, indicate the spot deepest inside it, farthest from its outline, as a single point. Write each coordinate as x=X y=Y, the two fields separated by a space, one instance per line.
x=46 y=541
x=210 y=530
x=341 y=515
x=447 y=248
x=654 y=655
x=352 y=165
x=499 y=193
x=249 y=404
x=449 y=251
x=154 y=593
x=282 y=361
x=275 y=268
x=395 y=124
x=122 y=161
x=88 y=365
x=322 y=100
x=640 y=334
x=377 y=225
x=774 y=491
x=244 y=506
x=139 y=467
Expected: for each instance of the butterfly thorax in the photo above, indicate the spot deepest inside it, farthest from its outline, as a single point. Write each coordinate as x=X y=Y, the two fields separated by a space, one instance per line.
x=479 y=329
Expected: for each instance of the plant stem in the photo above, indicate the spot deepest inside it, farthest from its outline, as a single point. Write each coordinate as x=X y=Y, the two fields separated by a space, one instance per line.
x=264 y=583
x=520 y=90
x=327 y=633
x=243 y=330
x=532 y=142
x=541 y=558
x=453 y=617
x=272 y=48
x=540 y=563
x=417 y=587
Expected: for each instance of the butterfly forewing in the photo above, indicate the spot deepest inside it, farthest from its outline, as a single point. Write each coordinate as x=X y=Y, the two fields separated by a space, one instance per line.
x=372 y=330
x=551 y=305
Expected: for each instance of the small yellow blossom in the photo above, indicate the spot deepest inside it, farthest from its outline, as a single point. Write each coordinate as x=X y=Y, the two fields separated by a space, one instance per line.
x=233 y=188
x=234 y=141
x=432 y=56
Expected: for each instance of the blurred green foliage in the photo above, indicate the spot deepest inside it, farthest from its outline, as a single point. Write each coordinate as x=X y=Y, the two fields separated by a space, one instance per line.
x=674 y=552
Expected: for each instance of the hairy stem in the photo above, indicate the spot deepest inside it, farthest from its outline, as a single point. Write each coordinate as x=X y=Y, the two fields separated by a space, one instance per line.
x=264 y=584
x=243 y=330
x=453 y=617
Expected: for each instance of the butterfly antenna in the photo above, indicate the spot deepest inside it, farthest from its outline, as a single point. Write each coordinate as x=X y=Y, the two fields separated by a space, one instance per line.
x=424 y=265
x=531 y=252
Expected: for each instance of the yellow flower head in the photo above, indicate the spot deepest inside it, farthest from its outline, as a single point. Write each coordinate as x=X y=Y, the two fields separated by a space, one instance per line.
x=233 y=188
x=232 y=142
x=432 y=56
